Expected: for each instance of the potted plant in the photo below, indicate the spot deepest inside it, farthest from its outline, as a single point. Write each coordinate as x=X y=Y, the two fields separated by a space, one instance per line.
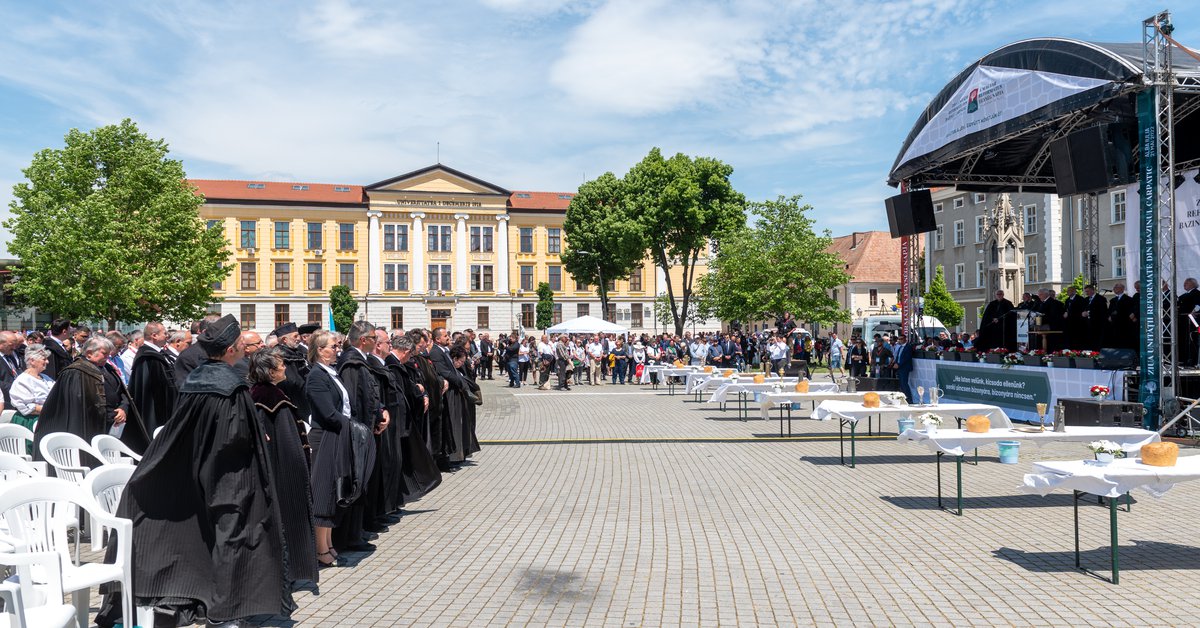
x=1106 y=451
x=1086 y=360
x=952 y=354
x=1063 y=359
x=1010 y=360
x=969 y=355
x=995 y=356
x=931 y=422
x=1037 y=357
x=1099 y=393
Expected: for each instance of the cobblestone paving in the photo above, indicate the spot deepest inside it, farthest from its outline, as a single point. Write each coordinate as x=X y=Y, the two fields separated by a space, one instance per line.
x=744 y=533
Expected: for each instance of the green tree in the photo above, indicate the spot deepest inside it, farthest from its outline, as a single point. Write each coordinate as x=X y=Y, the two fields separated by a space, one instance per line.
x=604 y=240
x=1079 y=283
x=683 y=204
x=699 y=310
x=343 y=307
x=107 y=228
x=779 y=265
x=545 y=306
x=939 y=303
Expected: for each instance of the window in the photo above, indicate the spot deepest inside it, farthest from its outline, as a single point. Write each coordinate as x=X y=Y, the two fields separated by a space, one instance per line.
x=556 y=313
x=248 y=319
x=1117 y=203
x=314 y=312
x=581 y=286
x=345 y=236
x=395 y=237
x=395 y=276
x=346 y=275
x=960 y=272
x=980 y=274
x=960 y=233
x=256 y=186
x=611 y=285
x=610 y=313
x=217 y=285
x=483 y=316
x=1118 y=261
x=249 y=234
x=341 y=188
x=397 y=318
x=554 y=241
x=959 y=202
x=937 y=208
x=314 y=236
x=283 y=234
x=978 y=198
x=1031 y=221
x=555 y=278
x=527 y=278
x=1032 y=272
x=939 y=238
x=249 y=276
x=283 y=314
x=635 y=315
x=315 y=274
x=526 y=239
x=481 y=277
x=874 y=297
x=439 y=238
x=527 y=315
x=283 y=276
x=481 y=239
x=439 y=277
x=213 y=224
x=635 y=280
x=582 y=309
x=300 y=188
x=978 y=229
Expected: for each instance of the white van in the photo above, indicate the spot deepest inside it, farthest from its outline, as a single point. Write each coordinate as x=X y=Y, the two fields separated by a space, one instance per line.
x=867 y=327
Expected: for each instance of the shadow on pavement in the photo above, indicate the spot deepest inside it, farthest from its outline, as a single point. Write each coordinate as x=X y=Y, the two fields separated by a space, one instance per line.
x=1141 y=555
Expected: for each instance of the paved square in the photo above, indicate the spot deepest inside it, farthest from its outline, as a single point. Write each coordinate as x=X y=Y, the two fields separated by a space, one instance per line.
x=598 y=532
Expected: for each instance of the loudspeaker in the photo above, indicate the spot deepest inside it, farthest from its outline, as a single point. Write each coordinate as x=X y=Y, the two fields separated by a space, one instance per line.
x=1095 y=413
x=1092 y=160
x=910 y=213
x=1113 y=359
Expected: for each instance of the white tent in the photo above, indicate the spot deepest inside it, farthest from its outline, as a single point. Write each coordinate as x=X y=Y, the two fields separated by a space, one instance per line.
x=587 y=325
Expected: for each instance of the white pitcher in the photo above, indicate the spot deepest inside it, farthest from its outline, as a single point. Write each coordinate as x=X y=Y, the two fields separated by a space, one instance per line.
x=934 y=394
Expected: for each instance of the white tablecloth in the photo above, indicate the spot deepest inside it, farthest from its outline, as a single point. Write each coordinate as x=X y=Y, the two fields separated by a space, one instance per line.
x=656 y=367
x=729 y=389
x=771 y=401
x=957 y=442
x=855 y=411
x=1112 y=480
x=694 y=380
x=677 y=372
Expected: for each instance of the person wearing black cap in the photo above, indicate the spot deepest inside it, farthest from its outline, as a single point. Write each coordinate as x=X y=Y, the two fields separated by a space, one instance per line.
x=207 y=534
x=296 y=362
x=305 y=331
x=194 y=355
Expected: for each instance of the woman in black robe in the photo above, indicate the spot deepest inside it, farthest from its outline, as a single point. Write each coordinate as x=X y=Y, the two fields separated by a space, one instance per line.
x=441 y=439
x=289 y=464
x=420 y=472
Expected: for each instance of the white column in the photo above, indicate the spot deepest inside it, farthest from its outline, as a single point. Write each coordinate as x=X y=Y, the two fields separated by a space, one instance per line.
x=502 y=254
x=460 y=270
x=374 y=249
x=416 y=243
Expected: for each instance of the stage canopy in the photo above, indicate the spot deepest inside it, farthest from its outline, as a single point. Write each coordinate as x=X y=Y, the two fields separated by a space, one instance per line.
x=989 y=129
x=587 y=325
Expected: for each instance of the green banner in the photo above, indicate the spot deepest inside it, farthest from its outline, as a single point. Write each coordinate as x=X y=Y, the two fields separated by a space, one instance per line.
x=1008 y=388
x=1151 y=294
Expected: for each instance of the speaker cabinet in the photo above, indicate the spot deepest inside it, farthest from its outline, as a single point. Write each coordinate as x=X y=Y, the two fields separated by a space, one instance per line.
x=910 y=213
x=1092 y=160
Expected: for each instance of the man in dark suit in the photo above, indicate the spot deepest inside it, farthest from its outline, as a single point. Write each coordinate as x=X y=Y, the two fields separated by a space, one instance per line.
x=1096 y=316
x=193 y=356
x=904 y=365
x=439 y=354
x=1122 y=320
x=1076 y=326
x=60 y=330
x=998 y=327
x=487 y=355
x=1189 y=304
x=1051 y=311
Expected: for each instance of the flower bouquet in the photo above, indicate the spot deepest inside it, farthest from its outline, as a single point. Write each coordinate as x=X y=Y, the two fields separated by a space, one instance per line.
x=1105 y=451
x=931 y=421
x=1064 y=358
x=1086 y=359
x=1013 y=359
x=1100 y=392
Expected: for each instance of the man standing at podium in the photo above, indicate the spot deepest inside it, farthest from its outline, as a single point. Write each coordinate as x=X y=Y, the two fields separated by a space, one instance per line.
x=1122 y=319
x=997 y=328
x=1052 y=311
x=1076 y=324
x=1095 y=315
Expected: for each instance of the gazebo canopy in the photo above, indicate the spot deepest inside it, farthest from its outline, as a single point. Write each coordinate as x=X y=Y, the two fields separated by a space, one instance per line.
x=990 y=128
x=587 y=325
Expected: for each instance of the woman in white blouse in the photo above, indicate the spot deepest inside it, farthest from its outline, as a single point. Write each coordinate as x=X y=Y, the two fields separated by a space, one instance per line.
x=31 y=387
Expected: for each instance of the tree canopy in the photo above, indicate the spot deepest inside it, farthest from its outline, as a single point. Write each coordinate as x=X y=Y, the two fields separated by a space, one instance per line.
x=107 y=228
x=604 y=240
x=545 y=306
x=779 y=265
x=343 y=307
x=940 y=304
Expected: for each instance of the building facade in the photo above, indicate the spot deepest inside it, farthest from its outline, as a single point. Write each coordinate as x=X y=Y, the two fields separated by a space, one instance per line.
x=872 y=259
x=435 y=247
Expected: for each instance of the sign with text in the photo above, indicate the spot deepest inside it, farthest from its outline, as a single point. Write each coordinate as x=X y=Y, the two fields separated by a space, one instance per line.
x=1008 y=388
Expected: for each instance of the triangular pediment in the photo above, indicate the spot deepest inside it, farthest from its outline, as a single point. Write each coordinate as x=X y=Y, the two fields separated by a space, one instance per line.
x=437 y=179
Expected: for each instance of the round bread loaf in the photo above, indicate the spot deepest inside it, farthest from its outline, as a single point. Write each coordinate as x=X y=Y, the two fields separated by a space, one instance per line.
x=802 y=386
x=1160 y=454
x=758 y=379
x=871 y=400
x=978 y=424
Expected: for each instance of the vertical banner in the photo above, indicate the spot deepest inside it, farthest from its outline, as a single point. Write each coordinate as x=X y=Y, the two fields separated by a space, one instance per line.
x=1151 y=296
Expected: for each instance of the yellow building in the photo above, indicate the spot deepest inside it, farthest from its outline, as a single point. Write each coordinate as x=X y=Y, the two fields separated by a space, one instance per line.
x=429 y=248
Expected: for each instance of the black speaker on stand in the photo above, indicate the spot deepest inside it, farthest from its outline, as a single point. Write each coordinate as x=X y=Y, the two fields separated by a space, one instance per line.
x=1093 y=160
x=910 y=213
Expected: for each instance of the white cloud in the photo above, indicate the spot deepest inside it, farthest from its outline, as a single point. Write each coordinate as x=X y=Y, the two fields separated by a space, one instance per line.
x=343 y=28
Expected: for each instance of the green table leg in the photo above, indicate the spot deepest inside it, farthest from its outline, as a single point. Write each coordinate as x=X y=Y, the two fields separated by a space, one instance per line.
x=842 y=440
x=958 y=462
x=1113 y=539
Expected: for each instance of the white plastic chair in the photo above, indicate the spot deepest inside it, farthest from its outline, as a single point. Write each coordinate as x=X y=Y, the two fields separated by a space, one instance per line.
x=36 y=606
x=61 y=450
x=15 y=439
x=34 y=512
x=113 y=450
x=156 y=431
x=105 y=484
x=7 y=416
x=14 y=468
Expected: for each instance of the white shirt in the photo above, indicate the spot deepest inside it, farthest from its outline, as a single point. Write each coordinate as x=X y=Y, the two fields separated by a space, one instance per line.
x=778 y=351
x=28 y=391
x=545 y=348
x=345 y=395
x=127 y=357
x=595 y=350
x=523 y=353
x=152 y=346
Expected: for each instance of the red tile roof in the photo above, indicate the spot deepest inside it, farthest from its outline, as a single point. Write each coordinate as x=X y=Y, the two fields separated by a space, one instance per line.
x=282 y=191
x=543 y=201
x=870 y=256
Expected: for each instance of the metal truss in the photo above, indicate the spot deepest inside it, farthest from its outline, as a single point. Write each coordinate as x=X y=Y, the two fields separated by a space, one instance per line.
x=1089 y=209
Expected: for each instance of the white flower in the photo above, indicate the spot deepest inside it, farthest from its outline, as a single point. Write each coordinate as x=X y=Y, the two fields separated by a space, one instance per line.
x=1104 y=447
x=930 y=418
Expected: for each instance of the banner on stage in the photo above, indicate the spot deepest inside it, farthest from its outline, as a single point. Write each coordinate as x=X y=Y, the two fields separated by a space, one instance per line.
x=1187 y=232
x=1008 y=388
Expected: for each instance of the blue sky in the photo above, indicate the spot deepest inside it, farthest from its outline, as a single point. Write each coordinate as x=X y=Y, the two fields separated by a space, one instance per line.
x=801 y=97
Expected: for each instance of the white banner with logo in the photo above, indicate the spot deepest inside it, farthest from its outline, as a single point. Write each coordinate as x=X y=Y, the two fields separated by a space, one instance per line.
x=992 y=96
x=1187 y=232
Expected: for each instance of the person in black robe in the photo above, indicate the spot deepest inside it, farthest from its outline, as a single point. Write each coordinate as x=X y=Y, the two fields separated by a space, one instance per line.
x=997 y=328
x=1095 y=315
x=296 y=362
x=289 y=463
x=441 y=440
x=473 y=396
x=1122 y=319
x=193 y=355
x=366 y=408
x=89 y=398
x=456 y=394
x=207 y=538
x=1189 y=305
x=152 y=385
x=419 y=470
x=384 y=494
x=1052 y=310
x=1076 y=326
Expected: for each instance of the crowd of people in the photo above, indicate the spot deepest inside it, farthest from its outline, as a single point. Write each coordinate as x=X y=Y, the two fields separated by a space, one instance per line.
x=262 y=460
